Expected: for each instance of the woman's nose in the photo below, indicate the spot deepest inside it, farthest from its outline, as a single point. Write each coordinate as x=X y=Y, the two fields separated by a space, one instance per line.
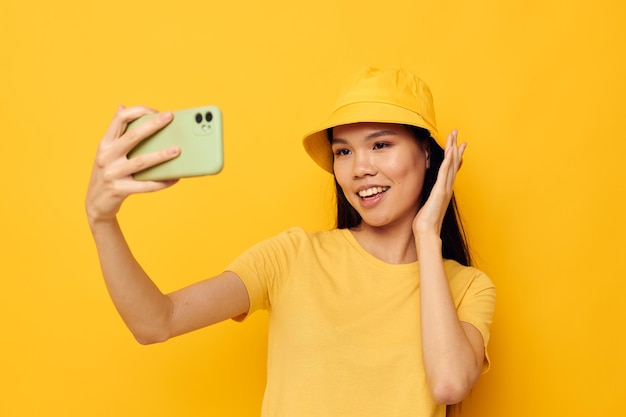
x=363 y=165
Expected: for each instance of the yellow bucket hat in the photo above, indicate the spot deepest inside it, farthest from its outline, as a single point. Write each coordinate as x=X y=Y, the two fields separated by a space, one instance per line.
x=389 y=95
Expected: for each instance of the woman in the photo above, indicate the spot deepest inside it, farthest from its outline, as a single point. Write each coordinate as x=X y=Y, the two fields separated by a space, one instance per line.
x=381 y=316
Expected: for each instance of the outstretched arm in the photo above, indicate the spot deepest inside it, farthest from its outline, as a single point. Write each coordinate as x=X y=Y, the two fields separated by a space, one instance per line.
x=453 y=350
x=150 y=315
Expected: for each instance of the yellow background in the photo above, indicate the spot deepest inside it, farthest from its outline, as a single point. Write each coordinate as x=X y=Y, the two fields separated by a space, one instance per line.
x=536 y=88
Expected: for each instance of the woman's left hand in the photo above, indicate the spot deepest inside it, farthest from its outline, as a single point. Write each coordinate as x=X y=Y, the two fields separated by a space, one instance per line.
x=429 y=219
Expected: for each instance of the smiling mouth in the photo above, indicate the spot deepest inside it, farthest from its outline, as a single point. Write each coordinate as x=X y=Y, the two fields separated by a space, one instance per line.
x=371 y=192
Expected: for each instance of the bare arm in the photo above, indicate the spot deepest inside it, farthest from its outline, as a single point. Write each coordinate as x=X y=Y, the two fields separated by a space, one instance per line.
x=453 y=350
x=150 y=315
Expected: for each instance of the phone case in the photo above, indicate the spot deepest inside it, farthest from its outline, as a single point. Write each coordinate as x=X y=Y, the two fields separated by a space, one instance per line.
x=198 y=133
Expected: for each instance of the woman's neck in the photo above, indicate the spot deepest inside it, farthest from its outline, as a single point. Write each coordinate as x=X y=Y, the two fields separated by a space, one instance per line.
x=392 y=244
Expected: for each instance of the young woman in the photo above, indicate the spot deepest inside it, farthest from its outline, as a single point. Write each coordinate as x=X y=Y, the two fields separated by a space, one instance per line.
x=382 y=316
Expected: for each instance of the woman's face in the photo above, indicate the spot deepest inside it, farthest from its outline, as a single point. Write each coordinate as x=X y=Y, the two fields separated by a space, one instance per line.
x=380 y=167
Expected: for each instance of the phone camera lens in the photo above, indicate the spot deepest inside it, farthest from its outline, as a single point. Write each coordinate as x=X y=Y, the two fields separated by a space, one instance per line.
x=208 y=116
x=198 y=118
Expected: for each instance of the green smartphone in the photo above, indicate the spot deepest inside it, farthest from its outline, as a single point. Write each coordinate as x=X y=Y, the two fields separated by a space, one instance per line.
x=197 y=132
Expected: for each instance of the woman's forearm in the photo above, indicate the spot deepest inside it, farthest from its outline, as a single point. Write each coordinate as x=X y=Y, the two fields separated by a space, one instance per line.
x=143 y=307
x=449 y=358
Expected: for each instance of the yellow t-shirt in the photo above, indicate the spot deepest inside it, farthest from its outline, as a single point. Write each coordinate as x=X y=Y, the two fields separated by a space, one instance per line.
x=344 y=336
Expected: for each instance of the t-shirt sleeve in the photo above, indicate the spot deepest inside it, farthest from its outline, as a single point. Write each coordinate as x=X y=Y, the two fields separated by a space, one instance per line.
x=476 y=304
x=266 y=266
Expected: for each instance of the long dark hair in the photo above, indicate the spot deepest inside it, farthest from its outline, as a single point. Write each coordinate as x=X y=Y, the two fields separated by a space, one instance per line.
x=454 y=241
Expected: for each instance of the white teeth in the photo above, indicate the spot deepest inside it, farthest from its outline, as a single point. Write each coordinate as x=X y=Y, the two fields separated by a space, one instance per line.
x=371 y=191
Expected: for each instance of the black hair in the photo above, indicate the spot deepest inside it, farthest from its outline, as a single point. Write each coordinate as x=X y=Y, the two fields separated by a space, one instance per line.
x=453 y=238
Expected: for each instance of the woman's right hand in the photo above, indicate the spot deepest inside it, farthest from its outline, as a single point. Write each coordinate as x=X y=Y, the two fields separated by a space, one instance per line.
x=111 y=177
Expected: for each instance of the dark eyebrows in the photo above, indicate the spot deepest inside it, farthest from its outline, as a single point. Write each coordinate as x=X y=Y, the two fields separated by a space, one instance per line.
x=373 y=135
x=380 y=133
x=338 y=141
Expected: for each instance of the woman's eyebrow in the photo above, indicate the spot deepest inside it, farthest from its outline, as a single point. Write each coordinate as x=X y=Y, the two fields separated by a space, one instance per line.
x=380 y=133
x=340 y=141
x=373 y=135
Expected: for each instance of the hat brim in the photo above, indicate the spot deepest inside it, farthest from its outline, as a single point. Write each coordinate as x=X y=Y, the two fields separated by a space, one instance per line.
x=317 y=145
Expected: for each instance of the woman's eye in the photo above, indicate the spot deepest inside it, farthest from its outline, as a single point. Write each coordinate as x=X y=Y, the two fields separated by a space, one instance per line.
x=342 y=152
x=380 y=145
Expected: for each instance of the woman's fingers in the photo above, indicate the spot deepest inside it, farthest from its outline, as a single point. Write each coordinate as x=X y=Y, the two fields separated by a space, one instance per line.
x=119 y=141
x=141 y=162
x=121 y=119
x=136 y=134
x=111 y=180
x=453 y=158
x=430 y=216
x=124 y=139
x=136 y=187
